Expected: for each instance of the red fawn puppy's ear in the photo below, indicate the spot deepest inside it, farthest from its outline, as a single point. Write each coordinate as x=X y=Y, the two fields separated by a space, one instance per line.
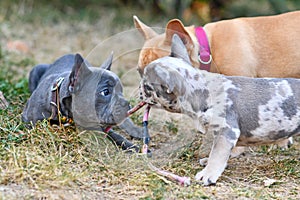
x=175 y=26
x=145 y=30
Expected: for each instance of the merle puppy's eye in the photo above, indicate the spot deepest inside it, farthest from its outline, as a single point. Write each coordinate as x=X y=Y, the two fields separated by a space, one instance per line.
x=147 y=87
x=104 y=92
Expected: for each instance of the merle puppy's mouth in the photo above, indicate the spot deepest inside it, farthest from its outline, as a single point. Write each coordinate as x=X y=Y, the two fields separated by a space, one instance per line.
x=147 y=94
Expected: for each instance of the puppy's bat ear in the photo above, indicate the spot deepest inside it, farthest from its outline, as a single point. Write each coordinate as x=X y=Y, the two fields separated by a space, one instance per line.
x=175 y=26
x=79 y=71
x=178 y=49
x=107 y=63
x=145 y=30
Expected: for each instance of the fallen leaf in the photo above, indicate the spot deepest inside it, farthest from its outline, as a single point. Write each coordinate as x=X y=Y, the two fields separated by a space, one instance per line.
x=17 y=45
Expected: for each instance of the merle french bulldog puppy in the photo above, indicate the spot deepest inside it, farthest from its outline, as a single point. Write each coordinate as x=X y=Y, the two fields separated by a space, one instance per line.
x=71 y=88
x=236 y=111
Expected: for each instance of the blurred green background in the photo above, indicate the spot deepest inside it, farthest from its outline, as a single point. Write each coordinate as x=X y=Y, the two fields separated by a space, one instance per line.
x=190 y=11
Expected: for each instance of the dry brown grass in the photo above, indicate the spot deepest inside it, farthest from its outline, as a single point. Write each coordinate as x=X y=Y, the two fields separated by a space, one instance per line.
x=55 y=163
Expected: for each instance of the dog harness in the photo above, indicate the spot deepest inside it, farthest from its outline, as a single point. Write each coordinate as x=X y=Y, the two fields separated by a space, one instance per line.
x=55 y=105
x=204 y=56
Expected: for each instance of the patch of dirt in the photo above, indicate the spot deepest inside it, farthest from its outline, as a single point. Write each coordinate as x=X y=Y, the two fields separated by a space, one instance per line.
x=15 y=191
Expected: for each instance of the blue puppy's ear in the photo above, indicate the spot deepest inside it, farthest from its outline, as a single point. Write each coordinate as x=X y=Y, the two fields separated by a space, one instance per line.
x=79 y=71
x=107 y=63
x=178 y=49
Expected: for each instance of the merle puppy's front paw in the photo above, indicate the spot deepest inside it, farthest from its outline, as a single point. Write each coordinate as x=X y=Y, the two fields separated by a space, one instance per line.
x=207 y=176
x=203 y=162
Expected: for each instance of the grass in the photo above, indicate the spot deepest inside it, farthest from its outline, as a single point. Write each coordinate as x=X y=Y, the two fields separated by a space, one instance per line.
x=61 y=163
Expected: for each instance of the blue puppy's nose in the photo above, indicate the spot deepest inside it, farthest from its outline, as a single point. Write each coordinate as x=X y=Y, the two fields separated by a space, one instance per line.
x=124 y=103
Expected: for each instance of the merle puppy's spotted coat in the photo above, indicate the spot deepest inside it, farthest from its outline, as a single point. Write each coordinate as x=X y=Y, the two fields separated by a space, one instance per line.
x=237 y=111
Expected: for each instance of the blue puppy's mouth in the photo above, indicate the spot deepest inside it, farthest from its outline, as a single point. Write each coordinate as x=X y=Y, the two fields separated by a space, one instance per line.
x=113 y=112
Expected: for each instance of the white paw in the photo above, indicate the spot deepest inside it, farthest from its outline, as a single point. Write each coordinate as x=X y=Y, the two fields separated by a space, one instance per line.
x=203 y=162
x=207 y=176
x=285 y=144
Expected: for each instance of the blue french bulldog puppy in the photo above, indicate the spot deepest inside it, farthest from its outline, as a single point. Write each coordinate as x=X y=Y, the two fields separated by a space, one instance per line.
x=70 y=88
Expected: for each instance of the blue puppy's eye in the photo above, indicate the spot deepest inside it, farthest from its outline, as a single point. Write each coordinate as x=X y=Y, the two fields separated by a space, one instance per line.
x=104 y=92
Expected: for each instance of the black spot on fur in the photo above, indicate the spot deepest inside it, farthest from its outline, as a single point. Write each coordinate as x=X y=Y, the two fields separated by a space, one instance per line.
x=158 y=94
x=215 y=126
x=148 y=88
x=187 y=74
x=284 y=134
x=199 y=98
x=289 y=107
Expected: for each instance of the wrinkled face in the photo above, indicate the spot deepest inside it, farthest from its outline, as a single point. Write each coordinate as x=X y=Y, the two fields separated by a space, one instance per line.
x=111 y=107
x=100 y=101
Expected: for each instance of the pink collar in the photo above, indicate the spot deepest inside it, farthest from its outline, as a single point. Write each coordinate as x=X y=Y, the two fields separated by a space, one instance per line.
x=204 y=50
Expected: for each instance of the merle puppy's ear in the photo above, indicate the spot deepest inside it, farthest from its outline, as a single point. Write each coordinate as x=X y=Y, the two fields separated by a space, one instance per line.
x=178 y=49
x=79 y=71
x=107 y=63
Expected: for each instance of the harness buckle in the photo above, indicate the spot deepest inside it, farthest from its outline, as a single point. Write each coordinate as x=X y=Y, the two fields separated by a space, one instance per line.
x=57 y=83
